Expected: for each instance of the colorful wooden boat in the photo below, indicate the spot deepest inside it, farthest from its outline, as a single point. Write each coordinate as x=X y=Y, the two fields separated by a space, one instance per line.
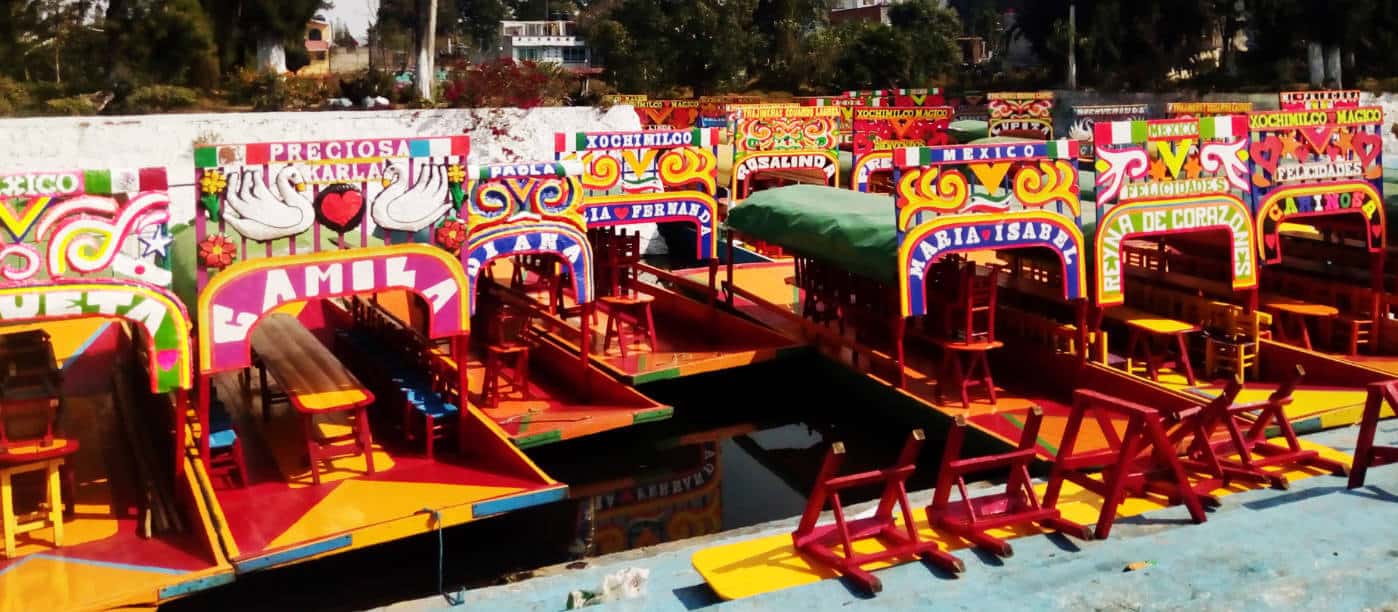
x=101 y=506
x=307 y=255
x=637 y=179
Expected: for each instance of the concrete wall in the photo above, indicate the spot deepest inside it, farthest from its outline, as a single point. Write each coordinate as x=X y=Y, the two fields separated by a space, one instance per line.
x=497 y=135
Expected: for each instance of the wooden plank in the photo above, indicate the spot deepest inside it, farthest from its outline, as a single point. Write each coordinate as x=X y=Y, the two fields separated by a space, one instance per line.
x=311 y=376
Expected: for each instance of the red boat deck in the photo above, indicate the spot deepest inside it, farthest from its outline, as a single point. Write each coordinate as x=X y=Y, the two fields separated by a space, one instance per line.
x=281 y=517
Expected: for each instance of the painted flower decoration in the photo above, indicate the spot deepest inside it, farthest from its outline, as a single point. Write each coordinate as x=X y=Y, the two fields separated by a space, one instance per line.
x=213 y=182
x=450 y=234
x=455 y=174
x=217 y=252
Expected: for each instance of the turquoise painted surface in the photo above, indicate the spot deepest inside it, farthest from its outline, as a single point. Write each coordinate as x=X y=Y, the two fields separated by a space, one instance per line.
x=1316 y=546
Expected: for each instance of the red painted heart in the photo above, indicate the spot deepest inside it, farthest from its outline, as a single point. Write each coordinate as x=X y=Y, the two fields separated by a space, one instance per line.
x=621 y=212
x=1271 y=241
x=1367 y=147
x=985 y=234
x=342 y=209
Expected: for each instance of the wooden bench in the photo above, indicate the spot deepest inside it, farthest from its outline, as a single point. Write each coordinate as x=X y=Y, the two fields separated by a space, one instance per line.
x=315 y=383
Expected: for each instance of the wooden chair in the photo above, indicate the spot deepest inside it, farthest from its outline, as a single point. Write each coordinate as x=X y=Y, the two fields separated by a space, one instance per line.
x=972 y=318
x=629 y=313
x=545 y=279
x=225 y=446
x=1354 y=327
x=1231 y=340
x=507 y=345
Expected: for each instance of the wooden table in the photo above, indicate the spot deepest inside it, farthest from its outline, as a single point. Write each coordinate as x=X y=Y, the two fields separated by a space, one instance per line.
x=315 y=383
x=1144 y=328
x=1292 y=312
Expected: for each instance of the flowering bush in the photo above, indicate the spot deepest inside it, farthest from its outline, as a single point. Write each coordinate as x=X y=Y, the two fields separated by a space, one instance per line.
x=505 y=82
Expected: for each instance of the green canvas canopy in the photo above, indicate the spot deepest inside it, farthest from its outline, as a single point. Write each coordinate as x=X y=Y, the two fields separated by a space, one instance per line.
x=851 y=229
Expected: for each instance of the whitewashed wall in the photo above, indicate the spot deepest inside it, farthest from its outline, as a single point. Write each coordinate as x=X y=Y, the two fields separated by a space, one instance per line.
x=497 y=135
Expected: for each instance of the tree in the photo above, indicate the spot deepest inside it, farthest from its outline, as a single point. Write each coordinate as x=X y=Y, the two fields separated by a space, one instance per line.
x=875 y=56
x=256 y=32
x=782 y=27
x=928 y=33
x=656 y=46
x=342 y=36
x=171 y=41
x=480 y=21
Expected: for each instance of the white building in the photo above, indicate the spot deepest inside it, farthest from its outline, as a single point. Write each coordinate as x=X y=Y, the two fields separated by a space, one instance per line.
x=545 y=41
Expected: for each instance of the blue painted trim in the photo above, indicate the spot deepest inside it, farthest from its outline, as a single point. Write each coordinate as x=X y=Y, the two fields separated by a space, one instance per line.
x=107 y=564
x=537 y=498
x=294 y=554
x=86 y=345
x=194 y=586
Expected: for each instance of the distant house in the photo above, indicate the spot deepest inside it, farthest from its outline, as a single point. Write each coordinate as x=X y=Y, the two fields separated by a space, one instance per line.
x=875 y=11
x=318 y=37
x=553 y=41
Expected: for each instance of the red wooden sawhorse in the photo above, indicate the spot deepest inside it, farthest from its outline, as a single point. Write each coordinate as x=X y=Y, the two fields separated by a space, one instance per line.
x=1367 y=455
x=819 y=543
x=1244 y=455
x=971 y=518
x=1132 y=463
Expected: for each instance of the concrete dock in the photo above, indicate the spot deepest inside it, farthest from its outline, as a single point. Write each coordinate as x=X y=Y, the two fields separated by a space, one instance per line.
x=1315 y=546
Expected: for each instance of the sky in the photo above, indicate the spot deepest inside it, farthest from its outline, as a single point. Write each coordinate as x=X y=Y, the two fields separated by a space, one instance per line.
x=354 y=13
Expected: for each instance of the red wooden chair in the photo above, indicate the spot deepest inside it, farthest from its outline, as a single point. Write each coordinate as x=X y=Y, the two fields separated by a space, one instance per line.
x=629 y=313
x=507 y=347
x=972 y=317
x=973 y=518
x=820 y=543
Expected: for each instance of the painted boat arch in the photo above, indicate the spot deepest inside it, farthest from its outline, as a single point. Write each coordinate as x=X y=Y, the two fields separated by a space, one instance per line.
x=525 y=209
x=233 y=302
x=156 y=311
x=877 y=131
x=1171 y=217
x=1317 y=161
x=927 y=242
x=769 y=138
x=1346 y=198
x=663 y=176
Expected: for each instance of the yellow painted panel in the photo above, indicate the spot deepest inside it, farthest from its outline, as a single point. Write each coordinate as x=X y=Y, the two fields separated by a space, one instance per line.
x=356 y=503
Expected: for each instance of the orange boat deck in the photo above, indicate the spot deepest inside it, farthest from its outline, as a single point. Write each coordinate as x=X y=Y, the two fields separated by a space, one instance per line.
x=691 y=337
x=105 y=560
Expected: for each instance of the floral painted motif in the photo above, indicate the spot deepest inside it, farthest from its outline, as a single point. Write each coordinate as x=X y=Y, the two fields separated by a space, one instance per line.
x=213 y=182
x=450 y=234
x=217 y=252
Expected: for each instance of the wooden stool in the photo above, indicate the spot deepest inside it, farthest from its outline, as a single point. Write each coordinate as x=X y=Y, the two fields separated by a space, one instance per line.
x=23 y=459
x=975 y=372
x=225 y=447
x=627 y=317
x=506 y=345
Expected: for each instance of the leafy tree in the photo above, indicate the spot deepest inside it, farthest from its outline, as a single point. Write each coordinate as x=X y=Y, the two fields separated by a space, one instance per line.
x=246 y=30
x=928 y=32
x=782 y=27
x=480 y=20
x=170 y=41
x=655 y=46
x=874 y=57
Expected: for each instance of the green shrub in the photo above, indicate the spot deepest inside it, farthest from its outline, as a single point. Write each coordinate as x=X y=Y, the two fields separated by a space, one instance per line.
x=72 y=105
x=308 y=92
x=160 y=98
x=262 y=90
x=14 y=97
